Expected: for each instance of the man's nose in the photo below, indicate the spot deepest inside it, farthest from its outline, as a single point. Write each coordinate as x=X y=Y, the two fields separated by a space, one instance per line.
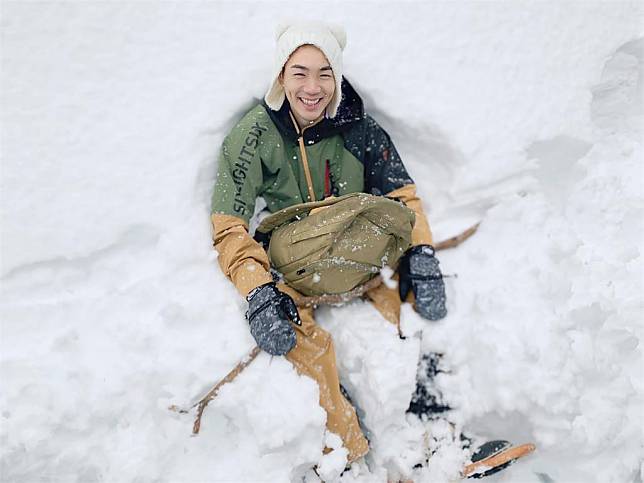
x=312 y=86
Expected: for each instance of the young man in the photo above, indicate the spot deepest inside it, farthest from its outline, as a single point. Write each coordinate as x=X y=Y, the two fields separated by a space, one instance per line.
x=308 y=140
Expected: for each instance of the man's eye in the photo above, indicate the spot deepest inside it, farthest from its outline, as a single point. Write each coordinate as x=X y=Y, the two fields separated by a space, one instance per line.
x=326 y=76
x=298 y=74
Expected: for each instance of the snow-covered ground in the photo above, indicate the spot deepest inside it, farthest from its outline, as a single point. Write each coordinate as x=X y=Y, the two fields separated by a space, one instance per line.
x=525 y=116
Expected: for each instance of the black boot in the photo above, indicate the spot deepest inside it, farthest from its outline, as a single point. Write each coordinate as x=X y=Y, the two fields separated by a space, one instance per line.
x=427 y=402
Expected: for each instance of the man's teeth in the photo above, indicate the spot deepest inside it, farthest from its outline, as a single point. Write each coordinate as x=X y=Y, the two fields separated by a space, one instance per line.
x=309 y=102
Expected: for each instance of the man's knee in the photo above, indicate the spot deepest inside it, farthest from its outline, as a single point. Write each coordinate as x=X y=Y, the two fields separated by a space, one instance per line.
x=386 y=301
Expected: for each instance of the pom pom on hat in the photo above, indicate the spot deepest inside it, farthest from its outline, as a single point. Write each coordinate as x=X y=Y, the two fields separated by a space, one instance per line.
x=330 y=39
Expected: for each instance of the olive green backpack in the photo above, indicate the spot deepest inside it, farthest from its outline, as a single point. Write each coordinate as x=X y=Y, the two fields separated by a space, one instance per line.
x=334 y=245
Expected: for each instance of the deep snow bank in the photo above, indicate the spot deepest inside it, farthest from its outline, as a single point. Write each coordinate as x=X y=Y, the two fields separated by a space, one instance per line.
x=524 y=116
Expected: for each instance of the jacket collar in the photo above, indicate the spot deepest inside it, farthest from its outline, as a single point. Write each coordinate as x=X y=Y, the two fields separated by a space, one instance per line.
x=349 y=112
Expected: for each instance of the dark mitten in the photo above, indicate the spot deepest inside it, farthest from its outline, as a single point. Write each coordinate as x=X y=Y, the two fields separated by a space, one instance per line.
x=419 y=272
x=270 y=313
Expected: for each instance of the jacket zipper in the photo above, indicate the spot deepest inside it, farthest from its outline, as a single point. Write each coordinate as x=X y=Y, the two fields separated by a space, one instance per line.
x=305 y=159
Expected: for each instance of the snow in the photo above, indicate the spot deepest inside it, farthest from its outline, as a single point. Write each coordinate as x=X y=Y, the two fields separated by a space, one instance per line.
x=525 y=116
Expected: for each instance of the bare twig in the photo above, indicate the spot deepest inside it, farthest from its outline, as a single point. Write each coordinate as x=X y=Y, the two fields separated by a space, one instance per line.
x=178 y=409
x=458 y=239
x=203 y=402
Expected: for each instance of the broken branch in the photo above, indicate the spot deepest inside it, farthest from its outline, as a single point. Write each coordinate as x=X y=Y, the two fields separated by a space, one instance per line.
x=458 y=239
x=203 y=402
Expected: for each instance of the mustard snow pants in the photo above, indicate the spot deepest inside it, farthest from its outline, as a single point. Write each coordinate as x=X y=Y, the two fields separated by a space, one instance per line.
x=314 y=356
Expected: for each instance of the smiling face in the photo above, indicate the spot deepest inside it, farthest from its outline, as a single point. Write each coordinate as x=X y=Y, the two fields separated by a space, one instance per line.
x=308 y=83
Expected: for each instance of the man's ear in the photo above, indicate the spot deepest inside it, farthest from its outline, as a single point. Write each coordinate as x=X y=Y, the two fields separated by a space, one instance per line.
x=280 y=78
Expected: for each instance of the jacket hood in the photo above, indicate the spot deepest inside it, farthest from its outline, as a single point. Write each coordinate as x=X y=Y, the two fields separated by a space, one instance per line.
x=350 y=111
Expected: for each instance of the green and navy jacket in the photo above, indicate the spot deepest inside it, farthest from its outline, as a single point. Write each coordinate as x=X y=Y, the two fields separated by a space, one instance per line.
x=266 y=156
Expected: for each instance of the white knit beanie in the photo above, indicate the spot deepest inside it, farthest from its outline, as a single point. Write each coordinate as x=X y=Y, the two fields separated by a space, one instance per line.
x=329 y=39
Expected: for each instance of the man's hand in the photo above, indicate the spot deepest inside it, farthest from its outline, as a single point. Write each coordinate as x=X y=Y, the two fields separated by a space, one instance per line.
x=270 y=313
x=419 y=272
